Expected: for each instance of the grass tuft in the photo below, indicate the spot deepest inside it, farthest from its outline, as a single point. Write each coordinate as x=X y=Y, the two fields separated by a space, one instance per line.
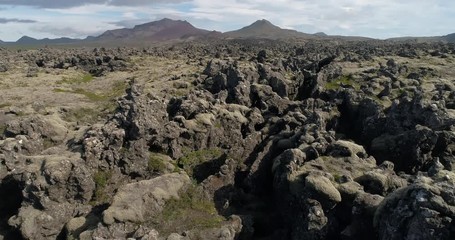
x=156 y=163
x=101 y=179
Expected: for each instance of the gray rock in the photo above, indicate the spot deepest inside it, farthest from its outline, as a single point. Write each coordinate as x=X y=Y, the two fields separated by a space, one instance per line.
x=426 y=206
x=322 y=188
x=136 y=202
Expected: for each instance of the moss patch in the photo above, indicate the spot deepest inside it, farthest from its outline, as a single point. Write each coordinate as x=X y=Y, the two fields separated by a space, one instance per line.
x=4 y=105
x=90 y=95
x=76 y=80
x=2 y=129
x=342 y=81
x=101 y=179
x=82 y=115
x=48 y=143
x=195 y=158
x=190 y=211
x=156 y=163
x=117 y=90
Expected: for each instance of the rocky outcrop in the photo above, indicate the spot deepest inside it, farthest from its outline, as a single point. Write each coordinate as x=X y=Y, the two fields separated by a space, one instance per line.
x=136 y=202
x=423 y=210
x=269 y=140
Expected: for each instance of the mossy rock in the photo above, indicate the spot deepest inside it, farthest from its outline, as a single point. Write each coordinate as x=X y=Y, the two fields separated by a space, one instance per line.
x=192 y=210
x=195 y=158
x=157 y=163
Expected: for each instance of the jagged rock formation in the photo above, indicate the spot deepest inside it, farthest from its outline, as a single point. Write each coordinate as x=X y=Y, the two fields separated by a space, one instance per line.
x=281 y=141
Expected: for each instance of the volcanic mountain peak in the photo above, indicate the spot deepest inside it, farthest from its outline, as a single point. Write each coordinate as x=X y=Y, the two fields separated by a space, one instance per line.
x=263 y=22
x=163 y=23
x=262 y=25
x=450 y=38
x=26 y=39
x=164 y=29
x=265 y=29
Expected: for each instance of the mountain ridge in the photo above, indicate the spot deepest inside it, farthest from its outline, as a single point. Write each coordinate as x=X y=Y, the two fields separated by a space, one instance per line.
x=177 y=30
x=265 y=29
x=162 y=30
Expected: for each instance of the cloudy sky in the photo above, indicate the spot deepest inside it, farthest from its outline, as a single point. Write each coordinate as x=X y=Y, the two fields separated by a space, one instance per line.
x=372 y=18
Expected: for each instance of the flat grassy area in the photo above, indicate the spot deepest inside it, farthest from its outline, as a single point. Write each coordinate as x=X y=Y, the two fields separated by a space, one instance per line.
x=83 y=78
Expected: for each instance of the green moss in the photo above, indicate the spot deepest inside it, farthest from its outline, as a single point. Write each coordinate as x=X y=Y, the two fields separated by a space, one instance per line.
x=22 y=84
x=116 y=91
x=191 y=211
x=218 y=125
x=91 y=95
x=59 y=90
x=180 y=92
x=101 y=179
x=2 y=129
x=195 y=158
x=344 y=80
x=48 y=143
x=337 y=177
x=76 y=80
x=82 y=115
x=156 y=163
x=4 y=105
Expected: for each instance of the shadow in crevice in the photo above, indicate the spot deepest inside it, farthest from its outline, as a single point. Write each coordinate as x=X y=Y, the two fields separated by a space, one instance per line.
x=91 y=223
x=206 y=169
x=10 y=202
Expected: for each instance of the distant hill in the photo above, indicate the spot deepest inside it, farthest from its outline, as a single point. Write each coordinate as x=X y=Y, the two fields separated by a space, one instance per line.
x=265 y=29
x=167 y=29
x=320 y=34
x=162 y=30
x=26 y=40
x=449 y=38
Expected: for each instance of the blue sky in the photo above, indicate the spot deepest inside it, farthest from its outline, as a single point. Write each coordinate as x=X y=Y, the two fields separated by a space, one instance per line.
x=371 y=18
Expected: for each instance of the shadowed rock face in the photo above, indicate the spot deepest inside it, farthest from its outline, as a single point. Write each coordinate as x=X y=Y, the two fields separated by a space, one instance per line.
x=230 y=139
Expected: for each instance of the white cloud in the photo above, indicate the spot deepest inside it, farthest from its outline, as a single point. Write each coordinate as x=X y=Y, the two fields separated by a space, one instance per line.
x=374 y=18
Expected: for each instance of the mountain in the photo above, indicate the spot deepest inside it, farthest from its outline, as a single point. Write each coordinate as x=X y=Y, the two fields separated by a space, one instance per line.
x=26 y=40
x=321 y=34
x=171 y=30
x=265 y=29
x=162 y=30
x=449 y=38
x=63 y=40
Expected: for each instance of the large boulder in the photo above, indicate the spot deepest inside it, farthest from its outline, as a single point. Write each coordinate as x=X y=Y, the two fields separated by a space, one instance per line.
x=423 y=210
x=136 y=202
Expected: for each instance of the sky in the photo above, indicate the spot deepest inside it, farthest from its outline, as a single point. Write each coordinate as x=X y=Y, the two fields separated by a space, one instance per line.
x=370 y=18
